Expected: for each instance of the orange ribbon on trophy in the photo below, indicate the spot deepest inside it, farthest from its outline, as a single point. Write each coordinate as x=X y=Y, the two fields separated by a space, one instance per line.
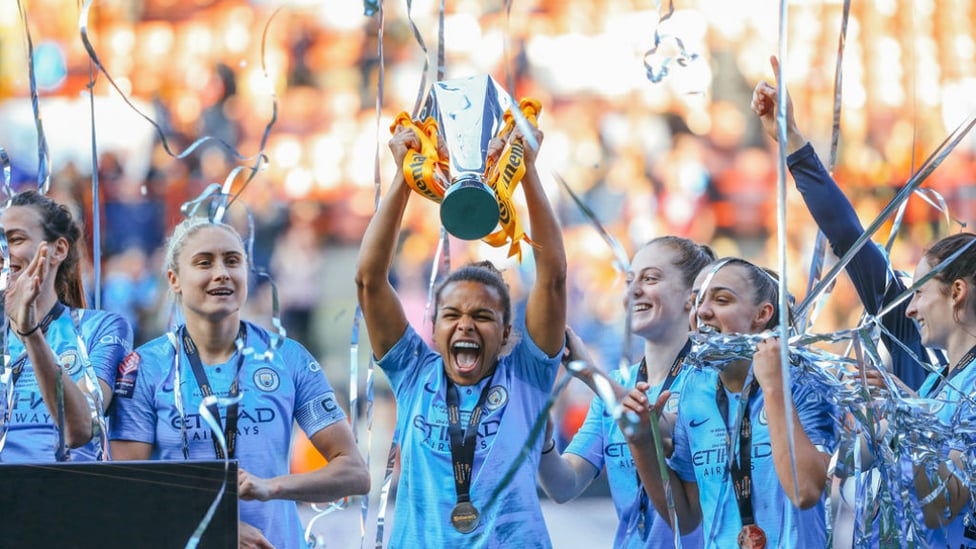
x=429 y=175
x=425 y=171
x=504 y=175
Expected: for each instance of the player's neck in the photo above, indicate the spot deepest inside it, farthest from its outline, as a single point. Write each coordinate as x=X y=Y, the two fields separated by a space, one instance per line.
x=214 y=340
x=734 y=375
x=659 y=356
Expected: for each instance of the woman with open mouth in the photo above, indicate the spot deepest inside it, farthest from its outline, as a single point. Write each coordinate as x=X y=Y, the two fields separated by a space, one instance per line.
x=56 y=341
x=945 y=309
x=730 y=461
x=659 y=295
x=466 y=406
x=941 y=318
x=255 y=401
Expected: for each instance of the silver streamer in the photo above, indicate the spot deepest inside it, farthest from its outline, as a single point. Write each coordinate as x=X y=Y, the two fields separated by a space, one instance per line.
x=357 y=316
x=934 y=160
x=5 y=166
x=783 y=305
x=212 y=422
x=603 y=386
x=93 y=393
x=312 y=541
x=883 y=434
x=43 y=155
x=391 y=460
x=6 y=370
x=628 y=421
x=621 y=261
x=354 y=405
x=370 y=384
x=538 y=427
x=820 y=245
x=657 y=59
x=259 y=159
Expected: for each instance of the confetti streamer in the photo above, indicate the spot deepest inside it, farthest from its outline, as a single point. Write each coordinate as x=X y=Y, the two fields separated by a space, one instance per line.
x=259 y=159
x=43 y=155
x=934 y=160
x=666 y=49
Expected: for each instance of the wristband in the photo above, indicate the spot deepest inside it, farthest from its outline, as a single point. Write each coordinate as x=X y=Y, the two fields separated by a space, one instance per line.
x=28 y=332
x=552 y=446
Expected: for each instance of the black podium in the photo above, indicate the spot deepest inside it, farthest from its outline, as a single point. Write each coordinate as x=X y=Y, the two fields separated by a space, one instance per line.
x=144 y=504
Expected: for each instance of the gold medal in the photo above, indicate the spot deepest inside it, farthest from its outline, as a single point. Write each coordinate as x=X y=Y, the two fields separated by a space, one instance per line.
x=464 y=517
x=752 y=537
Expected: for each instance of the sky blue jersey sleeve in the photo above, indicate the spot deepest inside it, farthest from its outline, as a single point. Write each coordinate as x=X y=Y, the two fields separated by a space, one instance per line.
x=134 y=406
x=110 y=341
x=315 y=401
x=588 y=442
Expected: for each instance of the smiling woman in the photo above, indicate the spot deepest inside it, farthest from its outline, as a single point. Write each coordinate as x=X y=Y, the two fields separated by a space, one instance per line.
x=207 y=272
x=158 y=400
x=742 y=492
x=465 y=407
x=945 y=309
x=658 y=294
x=45 y=305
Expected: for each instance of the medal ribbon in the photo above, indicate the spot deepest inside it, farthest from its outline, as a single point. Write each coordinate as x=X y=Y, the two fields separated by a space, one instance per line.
x=96 y=401
x=462 y=444
x=230 y=429
x=740 y=469
x=668 y=381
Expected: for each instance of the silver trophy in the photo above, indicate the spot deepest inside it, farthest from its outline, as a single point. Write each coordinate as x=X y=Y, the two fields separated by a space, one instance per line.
x=469 y=114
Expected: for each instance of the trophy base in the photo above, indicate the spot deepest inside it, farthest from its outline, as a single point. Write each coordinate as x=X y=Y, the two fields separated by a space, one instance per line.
x=469 y=210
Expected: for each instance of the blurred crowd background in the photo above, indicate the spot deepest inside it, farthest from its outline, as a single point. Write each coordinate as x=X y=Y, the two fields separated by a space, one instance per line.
x=682 y=156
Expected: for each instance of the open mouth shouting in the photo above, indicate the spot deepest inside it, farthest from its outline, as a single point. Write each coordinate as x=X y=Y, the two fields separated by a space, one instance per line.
x=466 y=355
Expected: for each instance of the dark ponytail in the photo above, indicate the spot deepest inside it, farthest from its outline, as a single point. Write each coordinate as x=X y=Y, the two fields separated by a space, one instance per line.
x=963 y=267
x=56 y=221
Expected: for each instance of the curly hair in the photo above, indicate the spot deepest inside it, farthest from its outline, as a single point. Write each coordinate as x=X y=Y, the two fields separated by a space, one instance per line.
x=483 y=272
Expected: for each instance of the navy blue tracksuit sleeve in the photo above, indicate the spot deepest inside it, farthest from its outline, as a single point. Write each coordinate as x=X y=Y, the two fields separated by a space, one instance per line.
x=869 y=270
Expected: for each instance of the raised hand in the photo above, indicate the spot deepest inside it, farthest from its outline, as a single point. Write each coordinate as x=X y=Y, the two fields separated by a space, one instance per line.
x=404 y=140
x=21 y=295
x=764 y=104
x=767 y=364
